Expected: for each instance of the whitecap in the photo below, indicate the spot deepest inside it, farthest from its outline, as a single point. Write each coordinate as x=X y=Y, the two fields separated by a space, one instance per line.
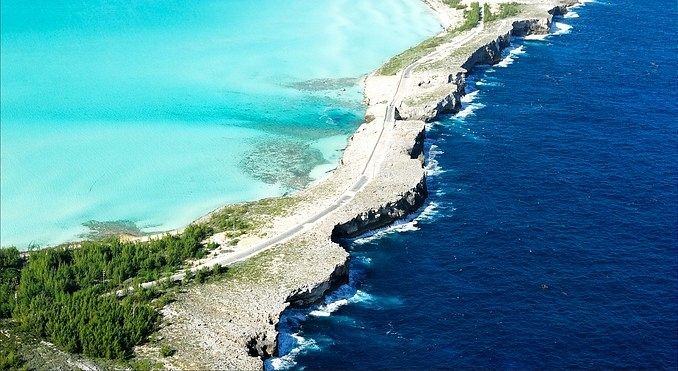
x=366 y=299
x=432 y=166
x=571 y=14
x=288 y=360
x=365 y=260
x=581 y=3
x=362 y=297
x=469 y=97
x=511 y=55
x=520 y=50
x=486 y=83
x=400 y=226
x=560 y=28
x=327 y=309
x=429 y=212
x=536 y=37
x=468 y=109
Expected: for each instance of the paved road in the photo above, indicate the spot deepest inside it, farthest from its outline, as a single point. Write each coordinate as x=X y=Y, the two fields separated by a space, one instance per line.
x=389 y=118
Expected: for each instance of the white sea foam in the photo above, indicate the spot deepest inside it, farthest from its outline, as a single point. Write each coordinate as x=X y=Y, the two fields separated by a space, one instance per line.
x=467 y=105
x=469 y=109
x=571 y=14
x=582 y=3
x=511 y=56
x=361 y=297
x=489 y=83
x=560 y=28
x=406 y=225
x=327 y=309
x=433 y=167
x=365 y=260
x=288 y=360
x=505 y=62
x=429 y=212
x=399 y=226
x=469 y=97
x=536 y=37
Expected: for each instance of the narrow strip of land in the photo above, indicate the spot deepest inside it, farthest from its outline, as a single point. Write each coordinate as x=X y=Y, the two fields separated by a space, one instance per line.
x=373 y=162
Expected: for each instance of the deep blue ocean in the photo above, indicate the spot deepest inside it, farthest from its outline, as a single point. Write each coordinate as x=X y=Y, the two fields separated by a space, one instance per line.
x=549 y=239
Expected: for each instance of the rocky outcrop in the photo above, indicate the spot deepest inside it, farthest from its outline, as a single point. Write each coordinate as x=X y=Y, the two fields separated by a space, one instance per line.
x=531 y=27
x=451 y=103
x=383 y=215
x=306 y=296
x=560 y=10
x=489 y=53
x=441 y=88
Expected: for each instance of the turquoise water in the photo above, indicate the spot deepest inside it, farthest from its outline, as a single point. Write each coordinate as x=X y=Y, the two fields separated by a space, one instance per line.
x=156 y=112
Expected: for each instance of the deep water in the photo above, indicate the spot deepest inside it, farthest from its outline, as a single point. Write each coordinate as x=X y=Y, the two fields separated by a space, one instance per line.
x=157 y=112
x=549 y=240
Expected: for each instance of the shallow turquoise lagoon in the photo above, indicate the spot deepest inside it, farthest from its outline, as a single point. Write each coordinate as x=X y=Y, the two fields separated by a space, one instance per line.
x=156 y=112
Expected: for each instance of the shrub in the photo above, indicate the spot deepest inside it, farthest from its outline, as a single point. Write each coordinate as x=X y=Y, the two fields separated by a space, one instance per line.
x=166 y=351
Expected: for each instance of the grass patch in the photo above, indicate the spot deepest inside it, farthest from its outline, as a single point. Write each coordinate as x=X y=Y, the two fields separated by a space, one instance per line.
x=400 y=61
x=506 y=10
x=166 y=351
x=237 y=220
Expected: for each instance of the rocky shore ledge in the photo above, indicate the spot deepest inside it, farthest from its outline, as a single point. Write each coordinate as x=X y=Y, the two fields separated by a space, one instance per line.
x=231 y=323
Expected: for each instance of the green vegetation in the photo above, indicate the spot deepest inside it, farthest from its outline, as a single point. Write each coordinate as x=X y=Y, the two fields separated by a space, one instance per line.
x=11 y=263
x=397 y=63
x=410 y=55
x=454 y=4
x=166 y=351
x=10 y=358
x=506 y=10
x=471 y=18
x=63 y=294
x=239 y=219
x=144 y=365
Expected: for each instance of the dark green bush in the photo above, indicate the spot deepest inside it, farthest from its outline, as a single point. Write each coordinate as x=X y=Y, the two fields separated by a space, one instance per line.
x=63 y=294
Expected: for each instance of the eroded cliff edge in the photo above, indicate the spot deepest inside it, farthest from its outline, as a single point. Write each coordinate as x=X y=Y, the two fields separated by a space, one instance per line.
x=231 y=324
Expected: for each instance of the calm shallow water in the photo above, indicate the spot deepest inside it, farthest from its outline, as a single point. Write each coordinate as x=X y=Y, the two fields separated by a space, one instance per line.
x=157 y=112
x=549 y=240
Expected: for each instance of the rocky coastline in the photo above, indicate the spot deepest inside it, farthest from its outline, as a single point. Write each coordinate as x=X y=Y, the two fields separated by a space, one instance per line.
x=232 y=323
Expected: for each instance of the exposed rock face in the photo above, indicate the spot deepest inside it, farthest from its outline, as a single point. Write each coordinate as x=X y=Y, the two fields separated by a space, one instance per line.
x=561 y=9
x=451 y=103
x=305 y=296
x=385 y=214
x=531 y=27
x=489 y=53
